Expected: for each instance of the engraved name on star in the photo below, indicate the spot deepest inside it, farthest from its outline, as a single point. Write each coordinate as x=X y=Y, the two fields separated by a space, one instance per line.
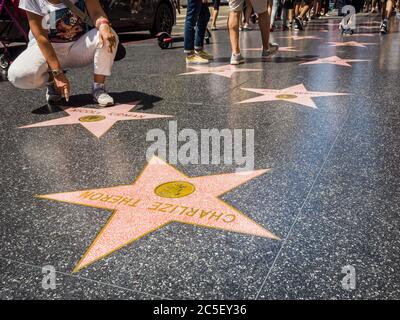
x=98 y=121
x=297 y=94
x=161 y=195
x=224 y=71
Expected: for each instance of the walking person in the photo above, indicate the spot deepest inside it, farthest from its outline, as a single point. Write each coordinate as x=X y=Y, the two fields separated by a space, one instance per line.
x=197 y=17
x=261 y=8
x=387 y=10
x=216 y=4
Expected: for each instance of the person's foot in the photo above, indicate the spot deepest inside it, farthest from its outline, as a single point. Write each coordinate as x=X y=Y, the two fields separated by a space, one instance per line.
x=236 y=59
x=285 y=28
x=384 y=26
x=213 y=28
x=240 y=28
x=347 y=31
x=52 y=94
x=272 y=28
x=101 y=96
x=267 y=53
x=298 y=23
x=196 y=59
x=373 y=10
x=204 y=54
x=246 y=27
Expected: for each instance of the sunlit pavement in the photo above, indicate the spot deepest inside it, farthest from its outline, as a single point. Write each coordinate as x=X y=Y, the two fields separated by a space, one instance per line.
x=317 y=217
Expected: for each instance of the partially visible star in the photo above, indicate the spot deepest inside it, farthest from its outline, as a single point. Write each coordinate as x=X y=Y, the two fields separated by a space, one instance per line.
x=371 y=22
x=98 y=121
x=362 y=35
x=350 y=44
x=296 y=94
x=281 y=49
x=224 y=71
x=335 y=60
x=301 y=37
x=368 y=27
x=162 y=195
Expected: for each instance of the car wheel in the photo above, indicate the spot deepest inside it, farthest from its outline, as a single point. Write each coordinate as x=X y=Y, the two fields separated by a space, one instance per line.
x=163 y=20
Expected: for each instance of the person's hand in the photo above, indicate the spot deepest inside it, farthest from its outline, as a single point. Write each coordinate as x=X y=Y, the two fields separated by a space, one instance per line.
x=62 y=84
x=107 y=36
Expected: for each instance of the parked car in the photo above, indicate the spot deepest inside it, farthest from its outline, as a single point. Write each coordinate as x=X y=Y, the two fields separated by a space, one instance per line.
x=141 y=15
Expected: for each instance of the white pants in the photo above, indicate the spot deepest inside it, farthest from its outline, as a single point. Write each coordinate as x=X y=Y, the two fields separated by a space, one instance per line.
x=30 y=69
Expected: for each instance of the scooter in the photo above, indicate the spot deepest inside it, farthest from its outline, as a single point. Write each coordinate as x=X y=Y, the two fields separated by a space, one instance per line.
x=165 y=40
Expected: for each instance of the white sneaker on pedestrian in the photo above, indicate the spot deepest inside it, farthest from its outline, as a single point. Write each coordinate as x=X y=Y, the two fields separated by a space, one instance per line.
x=101 y=96
x=246 y=27
x=267 y=53
x=236 y=59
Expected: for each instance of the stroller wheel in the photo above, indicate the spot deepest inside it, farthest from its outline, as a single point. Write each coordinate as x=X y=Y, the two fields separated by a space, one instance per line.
x=4 y=61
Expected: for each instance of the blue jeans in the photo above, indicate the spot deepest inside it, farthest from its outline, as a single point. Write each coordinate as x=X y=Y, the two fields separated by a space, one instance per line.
x=197 y=17
x=275 y=7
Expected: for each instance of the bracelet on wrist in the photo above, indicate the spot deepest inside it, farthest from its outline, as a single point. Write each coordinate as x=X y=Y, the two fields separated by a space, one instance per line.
x=56 y=73
x=102 y=21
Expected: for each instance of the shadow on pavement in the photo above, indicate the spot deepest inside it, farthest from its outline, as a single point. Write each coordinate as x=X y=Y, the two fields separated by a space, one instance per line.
x=83 y=100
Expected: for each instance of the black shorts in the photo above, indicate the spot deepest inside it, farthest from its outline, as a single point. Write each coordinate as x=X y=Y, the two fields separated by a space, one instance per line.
x=288 y=4
x=216 y=4
x=306 y=2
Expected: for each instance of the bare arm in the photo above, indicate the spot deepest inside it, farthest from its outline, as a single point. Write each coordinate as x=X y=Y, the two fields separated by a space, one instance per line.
x=45 y=46
x=95 y=11
x=41 y=36
x=100 y=20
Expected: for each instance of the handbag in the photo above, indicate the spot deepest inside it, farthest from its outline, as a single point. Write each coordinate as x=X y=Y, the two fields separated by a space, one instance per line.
x=121 y=51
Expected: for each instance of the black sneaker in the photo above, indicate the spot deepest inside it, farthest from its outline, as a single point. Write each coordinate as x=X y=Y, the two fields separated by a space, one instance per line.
x=384 y=27
x=298 y=23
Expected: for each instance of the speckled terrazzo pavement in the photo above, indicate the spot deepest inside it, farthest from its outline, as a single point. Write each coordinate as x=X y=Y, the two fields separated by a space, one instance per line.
x=332 y=195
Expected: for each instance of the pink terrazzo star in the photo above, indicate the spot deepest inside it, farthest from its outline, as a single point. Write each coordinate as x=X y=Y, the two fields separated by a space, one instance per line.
x=281 y=49
x=224 y=71
x=335 y=60
x=302 y=38
x=296 y=94
x=98 y=121
x=368 y=27
x=161 y=195
x=350 y=44
x=362 y=35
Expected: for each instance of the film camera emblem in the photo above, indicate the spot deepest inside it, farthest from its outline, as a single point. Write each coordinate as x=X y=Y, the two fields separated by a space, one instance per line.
x=174 y=189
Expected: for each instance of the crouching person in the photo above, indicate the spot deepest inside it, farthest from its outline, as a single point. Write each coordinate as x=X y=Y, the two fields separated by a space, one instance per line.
x=59 y=40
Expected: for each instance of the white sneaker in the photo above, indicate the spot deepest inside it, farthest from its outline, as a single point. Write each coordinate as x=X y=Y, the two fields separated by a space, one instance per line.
x=246 y=27
x=101 y=96
x=237 y=59
x=267 y=53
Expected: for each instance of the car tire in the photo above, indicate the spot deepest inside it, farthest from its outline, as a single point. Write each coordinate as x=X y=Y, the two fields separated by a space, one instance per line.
x=163 y=19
